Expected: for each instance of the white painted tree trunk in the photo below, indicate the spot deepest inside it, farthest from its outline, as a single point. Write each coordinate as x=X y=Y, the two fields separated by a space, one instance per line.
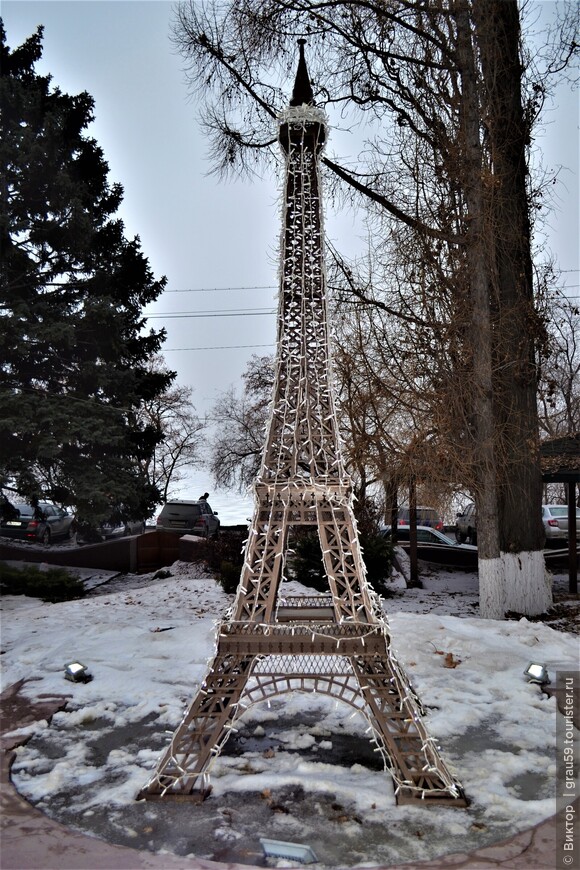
x=491 y=589
x=516 y=582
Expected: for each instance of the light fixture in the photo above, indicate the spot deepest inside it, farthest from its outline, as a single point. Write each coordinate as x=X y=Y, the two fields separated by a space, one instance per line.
x=536 y=673
x=291 y=851
x=76 y=672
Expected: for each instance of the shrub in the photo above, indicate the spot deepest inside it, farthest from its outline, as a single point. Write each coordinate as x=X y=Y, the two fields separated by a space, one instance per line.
x=229 y=576
x=378 y=558
x=88 y=534
x=55 y=584
x=227 y=547
x=306 y=564
x=224 y=557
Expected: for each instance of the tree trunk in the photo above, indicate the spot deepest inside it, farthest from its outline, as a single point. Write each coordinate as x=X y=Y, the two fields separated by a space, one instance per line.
x=414 y=578
x=527 y=589
x=491 y=580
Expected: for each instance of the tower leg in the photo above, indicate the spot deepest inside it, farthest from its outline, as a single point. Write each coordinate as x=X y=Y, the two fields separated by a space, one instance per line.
x=203 y=731
x=343 y=562
x=419 y=773
x=263 y=561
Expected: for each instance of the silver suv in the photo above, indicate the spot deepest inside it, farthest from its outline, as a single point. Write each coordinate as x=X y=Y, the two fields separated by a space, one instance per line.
x=189 y=518
x=466 y=525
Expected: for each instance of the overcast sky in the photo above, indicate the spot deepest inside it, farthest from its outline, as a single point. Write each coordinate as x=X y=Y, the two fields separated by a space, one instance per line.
x=199 y=232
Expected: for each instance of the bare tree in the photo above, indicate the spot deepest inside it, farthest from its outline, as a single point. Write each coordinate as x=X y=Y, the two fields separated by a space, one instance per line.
x=173 y=415
x=438 y=89
x=239 y=423
x=559 y=395
x=395 y=424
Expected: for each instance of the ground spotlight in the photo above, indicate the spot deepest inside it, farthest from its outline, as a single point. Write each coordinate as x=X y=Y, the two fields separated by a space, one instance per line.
x=76 y=672
x=536 y=673
x=293 y=851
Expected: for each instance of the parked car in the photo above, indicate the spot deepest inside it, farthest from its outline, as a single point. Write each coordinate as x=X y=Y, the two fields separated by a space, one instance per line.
x=189 y=518
x=89 y=533
x=555 y=519
x=436 y=548
x=44 y=523
x=426 y=535
x=122 y=529
x=466 y=525
x=426 y=516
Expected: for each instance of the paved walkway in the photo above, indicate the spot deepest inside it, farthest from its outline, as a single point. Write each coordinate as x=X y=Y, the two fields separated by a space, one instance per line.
x=32 y=841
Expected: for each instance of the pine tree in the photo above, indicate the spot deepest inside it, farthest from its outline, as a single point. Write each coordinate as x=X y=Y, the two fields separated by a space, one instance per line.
x=73 y=351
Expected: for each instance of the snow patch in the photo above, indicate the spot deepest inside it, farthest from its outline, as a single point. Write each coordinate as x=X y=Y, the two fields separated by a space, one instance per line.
x=497 y=732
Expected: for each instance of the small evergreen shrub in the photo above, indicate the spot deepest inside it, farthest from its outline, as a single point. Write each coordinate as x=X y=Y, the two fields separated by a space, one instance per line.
x=224 y=557
x=304 y=562
x=229 y=576
x=88 y=534
x=306 y=566
x=378 y=558
x=55 y=584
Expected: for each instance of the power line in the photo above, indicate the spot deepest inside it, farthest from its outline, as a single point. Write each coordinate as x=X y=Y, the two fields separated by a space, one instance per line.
x=216 y=347
x=222 y=312
x=100 y=402
x=245 y=312
x=275 y=286
x=222 y=289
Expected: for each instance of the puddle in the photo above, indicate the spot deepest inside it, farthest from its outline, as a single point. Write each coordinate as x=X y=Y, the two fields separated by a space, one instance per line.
x=336 y=748
x=227 y=827
x=530 y=786
x=479 y=739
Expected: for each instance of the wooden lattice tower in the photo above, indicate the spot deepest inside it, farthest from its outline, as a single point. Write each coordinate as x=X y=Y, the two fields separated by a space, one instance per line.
x=338 y=643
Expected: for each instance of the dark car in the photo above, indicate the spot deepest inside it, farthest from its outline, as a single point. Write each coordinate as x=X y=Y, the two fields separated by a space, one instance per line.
x=426 y=535
x=426 y=516
x=435 y=547
x=44 y=523
x=189 y=518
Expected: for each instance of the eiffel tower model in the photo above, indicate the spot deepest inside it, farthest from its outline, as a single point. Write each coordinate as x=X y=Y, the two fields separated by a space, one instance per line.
x=336 y=644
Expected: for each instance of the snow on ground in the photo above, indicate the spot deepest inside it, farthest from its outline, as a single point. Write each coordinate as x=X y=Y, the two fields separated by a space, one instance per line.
x=300 y=769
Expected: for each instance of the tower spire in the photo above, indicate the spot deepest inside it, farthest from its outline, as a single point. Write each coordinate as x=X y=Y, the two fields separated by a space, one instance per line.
x=302 y=93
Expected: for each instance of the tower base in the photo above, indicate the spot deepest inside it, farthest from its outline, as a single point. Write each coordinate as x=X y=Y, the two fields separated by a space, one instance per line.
x=350 y=662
